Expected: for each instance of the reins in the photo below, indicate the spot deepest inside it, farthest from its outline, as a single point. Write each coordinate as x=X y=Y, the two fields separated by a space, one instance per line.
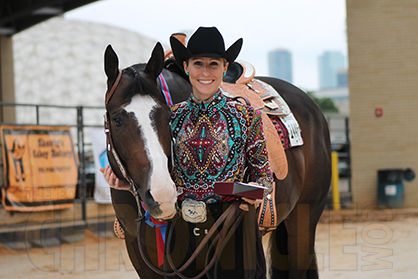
x=228 y=224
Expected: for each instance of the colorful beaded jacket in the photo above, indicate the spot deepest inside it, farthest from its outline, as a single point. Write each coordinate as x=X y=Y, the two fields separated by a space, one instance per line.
x=217 y=141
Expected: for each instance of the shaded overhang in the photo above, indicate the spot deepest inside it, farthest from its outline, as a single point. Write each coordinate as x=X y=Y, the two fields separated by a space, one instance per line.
x=18 y=15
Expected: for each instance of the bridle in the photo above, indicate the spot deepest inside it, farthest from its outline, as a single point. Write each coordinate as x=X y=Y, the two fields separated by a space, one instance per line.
x=111 y=148
x=115 y=84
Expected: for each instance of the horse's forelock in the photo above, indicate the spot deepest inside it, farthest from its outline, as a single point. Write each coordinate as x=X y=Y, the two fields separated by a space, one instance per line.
x=142 y=83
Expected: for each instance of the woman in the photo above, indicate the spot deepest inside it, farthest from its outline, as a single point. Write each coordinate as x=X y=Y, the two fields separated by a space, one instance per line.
x=215 y=139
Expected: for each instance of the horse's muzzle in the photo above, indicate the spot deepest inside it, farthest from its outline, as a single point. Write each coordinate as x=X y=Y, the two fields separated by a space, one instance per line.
x=161 y=204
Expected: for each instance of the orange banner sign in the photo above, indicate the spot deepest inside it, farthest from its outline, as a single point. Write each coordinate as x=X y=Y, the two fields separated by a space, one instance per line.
x=40 y=168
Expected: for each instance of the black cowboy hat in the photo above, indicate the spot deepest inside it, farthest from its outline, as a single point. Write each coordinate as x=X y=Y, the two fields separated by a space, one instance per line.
x=205 y=42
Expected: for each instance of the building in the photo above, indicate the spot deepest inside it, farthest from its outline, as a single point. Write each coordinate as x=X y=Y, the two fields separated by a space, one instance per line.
x=382 y=47
x=280 y=64
x=342 y=78
x=60 y=62
x=329 y=63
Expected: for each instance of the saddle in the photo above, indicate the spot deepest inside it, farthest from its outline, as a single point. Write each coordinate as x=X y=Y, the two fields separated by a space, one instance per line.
x=239 y=82
x=259 y=97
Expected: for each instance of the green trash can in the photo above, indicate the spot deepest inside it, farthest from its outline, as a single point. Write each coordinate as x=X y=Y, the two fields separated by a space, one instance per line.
x=390 y=191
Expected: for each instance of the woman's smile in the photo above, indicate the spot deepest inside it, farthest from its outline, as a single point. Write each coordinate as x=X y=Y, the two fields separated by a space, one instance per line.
x=205 y=75
x=205 y=81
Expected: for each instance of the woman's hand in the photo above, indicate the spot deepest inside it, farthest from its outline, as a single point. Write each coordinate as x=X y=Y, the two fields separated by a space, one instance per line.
x=256 y=203
x=113 y=181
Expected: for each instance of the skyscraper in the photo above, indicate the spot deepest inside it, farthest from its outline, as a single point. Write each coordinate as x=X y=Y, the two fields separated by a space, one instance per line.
x=280 y=64
x=342 y=78
x=329 y=63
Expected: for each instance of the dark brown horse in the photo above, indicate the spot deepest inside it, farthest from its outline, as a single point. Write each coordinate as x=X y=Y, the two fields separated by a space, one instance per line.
x=137 y=108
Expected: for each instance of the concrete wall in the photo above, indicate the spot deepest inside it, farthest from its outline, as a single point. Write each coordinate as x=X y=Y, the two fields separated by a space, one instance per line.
x=383 y=62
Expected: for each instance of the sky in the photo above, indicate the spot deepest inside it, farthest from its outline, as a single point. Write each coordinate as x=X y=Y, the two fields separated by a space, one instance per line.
x=306 y=28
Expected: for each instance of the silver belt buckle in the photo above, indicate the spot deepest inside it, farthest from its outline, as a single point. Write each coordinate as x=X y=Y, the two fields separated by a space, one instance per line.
x=194 y=211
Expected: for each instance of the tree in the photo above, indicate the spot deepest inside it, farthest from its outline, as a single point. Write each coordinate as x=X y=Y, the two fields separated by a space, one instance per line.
x=325 y=104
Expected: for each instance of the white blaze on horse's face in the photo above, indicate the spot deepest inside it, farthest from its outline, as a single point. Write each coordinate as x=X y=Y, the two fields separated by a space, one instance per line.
x=162 y=187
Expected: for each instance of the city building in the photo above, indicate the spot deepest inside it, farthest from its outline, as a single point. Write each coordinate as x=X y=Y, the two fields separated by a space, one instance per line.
x=329 y=63
x=280 y=64
x=342 y=78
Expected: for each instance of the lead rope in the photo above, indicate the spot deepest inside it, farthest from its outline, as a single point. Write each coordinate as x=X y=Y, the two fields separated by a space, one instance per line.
x=221 y=238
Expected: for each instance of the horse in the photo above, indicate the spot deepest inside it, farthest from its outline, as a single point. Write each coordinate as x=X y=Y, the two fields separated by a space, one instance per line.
x=139 y=131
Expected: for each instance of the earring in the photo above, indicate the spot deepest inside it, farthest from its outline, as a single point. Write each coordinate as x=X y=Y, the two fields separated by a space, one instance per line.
x=187 y=73
x=224 y=73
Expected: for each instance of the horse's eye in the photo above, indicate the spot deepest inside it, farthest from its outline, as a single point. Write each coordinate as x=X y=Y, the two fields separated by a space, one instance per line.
x=117 y=120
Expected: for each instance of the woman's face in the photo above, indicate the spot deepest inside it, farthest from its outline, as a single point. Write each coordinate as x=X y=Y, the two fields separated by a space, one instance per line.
x=205 y=75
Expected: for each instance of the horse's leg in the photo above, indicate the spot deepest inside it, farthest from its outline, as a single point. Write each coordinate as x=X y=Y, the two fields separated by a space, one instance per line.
x=302 y=221
x=126 y=211
x=287 y=194
x=290 y=249
x=149 y=245
x=276 y=251
x=301 y=227
x=304 y=190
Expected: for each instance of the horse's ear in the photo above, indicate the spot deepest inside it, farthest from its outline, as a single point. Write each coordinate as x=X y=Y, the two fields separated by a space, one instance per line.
x=111 y=64
x=156 y=62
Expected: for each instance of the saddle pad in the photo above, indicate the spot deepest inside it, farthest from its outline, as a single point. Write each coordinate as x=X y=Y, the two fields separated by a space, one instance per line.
x=289 y=134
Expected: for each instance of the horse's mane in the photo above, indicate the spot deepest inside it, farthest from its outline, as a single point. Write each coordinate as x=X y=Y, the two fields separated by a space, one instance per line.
x=172 y=65
x=140 y=85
